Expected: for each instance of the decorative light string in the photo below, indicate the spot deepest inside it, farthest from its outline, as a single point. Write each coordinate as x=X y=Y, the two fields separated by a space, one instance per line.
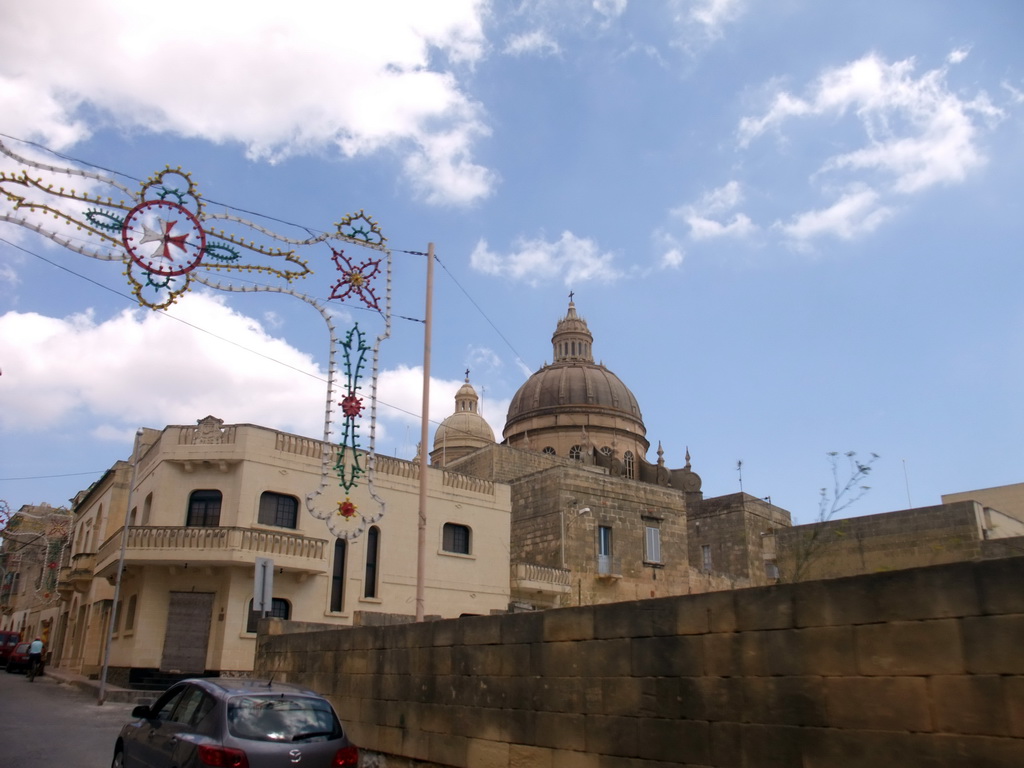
x=161 y=234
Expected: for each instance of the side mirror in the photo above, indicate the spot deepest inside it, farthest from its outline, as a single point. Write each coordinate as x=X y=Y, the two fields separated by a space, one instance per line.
x=142 y=711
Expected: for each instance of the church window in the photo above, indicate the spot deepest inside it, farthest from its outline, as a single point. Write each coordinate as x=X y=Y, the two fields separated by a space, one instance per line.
x=627 y=462
x=204 y=509
x=576 y=453
x=455 y=538
x=548 y=450
x=606 y=450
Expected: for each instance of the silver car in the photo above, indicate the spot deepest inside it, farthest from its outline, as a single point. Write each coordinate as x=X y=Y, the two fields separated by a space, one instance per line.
x=235 y=723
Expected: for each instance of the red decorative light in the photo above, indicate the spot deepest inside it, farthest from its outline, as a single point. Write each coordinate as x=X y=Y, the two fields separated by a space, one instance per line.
x=352 y=406
x=347 y=509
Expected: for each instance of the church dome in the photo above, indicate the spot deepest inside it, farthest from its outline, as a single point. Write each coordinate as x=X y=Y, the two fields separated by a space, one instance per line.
x=575 y=399
x=464 y=431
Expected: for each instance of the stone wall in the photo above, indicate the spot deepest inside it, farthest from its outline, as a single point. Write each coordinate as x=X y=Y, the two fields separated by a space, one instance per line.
x=873 y=543
x=920 y=667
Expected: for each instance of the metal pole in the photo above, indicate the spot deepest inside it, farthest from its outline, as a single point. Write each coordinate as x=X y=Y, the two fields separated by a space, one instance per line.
x=102 y=694
x=424 y=429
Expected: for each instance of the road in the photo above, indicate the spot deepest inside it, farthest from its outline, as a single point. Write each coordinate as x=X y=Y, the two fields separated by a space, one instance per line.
x=45 y=724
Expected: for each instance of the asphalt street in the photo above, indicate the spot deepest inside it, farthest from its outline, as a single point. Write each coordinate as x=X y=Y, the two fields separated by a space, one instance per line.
x=46 y=723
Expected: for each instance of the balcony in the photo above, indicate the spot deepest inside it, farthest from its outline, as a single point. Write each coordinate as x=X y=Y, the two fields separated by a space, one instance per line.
x=78 y=576
x=540 y=583
x=609 y=567
x=211 y=547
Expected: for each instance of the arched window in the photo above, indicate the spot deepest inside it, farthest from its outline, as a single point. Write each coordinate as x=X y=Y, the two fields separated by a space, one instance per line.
x=548 y=450
x=278 y=509
x=455 y=538
x=204 y=509
x=372 y=561
x=338 y=576
x=279 y=609
x=606 y=450
x=576 y=453
x=627 y=462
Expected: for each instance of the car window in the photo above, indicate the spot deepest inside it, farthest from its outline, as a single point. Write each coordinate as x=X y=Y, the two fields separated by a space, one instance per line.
x=282 y=718
x=165 y=704
x=192 y=707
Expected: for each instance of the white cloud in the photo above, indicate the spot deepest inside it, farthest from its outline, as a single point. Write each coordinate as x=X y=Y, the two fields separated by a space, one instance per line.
x=280 y=79
x=917 y=130
x=610 y=9
x=857 y=212
x=570 y=258
x=958 y=55
x=915 y=133
x=537 y=43
x=708 y=17
x=717 y=203
x=672 y=253
x=140 y=367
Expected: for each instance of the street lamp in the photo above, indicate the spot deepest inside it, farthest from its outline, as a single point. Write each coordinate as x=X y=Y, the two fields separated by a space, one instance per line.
x=576 y=516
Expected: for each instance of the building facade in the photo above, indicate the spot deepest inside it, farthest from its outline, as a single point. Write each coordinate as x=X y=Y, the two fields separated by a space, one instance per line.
x=210 y=501
x=33 y=550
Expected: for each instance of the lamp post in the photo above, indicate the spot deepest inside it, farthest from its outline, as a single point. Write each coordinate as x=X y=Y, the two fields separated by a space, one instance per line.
x=577 y=515
x=102 y=693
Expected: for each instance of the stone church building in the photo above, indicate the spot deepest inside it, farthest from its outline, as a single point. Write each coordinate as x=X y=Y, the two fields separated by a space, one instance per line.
x=594 y=521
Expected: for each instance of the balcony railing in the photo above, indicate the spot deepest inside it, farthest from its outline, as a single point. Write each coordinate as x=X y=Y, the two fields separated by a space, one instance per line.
x=213 y=545
x=609 y=567
x=540 y=578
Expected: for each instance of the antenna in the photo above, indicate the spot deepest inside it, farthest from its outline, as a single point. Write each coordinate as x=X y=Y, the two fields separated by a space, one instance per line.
x=739 y=469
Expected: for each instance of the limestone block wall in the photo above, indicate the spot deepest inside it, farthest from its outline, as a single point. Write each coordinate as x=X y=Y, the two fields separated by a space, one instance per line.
x=904 y=539
x=921 y=667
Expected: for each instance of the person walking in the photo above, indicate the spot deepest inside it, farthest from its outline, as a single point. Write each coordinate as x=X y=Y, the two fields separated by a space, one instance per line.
x=35 y=658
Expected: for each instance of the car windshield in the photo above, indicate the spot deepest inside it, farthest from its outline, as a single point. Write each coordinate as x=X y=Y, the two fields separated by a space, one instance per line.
x=282 y=718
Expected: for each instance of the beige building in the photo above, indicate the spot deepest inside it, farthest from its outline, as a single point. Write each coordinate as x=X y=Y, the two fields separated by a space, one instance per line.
x=33 y=549
x=209 y=500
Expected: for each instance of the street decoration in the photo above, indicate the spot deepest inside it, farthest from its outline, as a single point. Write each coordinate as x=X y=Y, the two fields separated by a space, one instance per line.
x=168 y=240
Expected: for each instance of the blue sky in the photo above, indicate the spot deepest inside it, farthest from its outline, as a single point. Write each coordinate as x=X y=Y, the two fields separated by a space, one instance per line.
x=793 y=227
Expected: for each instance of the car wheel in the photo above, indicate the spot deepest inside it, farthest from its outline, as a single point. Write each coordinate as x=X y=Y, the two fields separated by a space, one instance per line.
x=118 y=761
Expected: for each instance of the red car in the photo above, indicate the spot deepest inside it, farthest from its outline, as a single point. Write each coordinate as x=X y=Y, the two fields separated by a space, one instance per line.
x=8 y=641
x=18 y=659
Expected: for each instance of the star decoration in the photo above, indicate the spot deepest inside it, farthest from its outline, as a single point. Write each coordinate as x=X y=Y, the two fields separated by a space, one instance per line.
x=346 y=508
x=355 y=278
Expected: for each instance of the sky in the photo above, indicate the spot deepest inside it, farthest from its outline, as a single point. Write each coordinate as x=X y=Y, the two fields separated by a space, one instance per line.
x=793 y=228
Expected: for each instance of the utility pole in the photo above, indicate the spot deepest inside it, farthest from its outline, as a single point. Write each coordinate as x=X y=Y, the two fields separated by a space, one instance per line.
x=421 y=552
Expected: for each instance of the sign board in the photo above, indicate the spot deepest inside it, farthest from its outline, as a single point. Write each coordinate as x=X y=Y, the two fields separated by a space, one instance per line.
x=263 y=590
